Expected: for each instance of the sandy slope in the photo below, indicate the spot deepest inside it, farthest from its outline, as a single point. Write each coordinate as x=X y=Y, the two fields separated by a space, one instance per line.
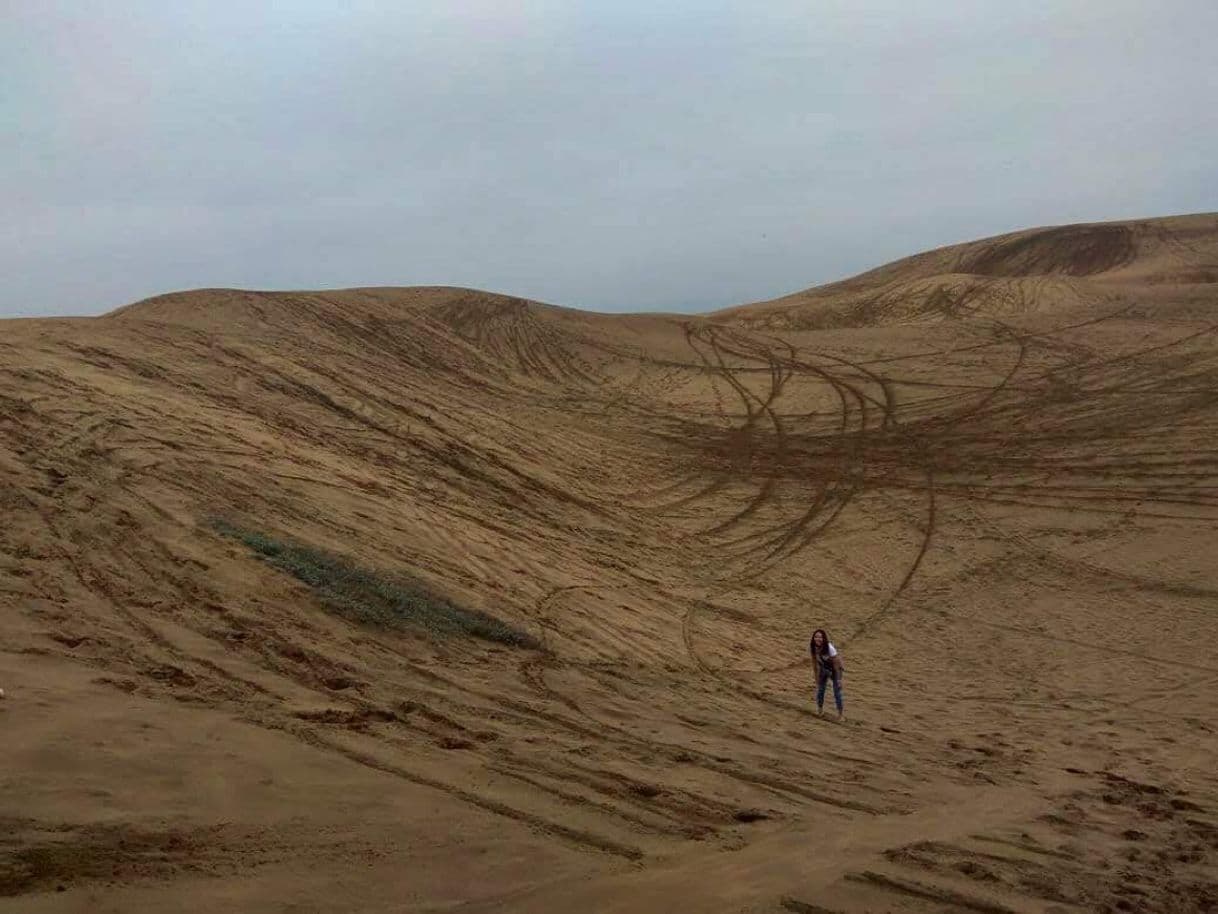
x=1019 y=273
x=1006 y=520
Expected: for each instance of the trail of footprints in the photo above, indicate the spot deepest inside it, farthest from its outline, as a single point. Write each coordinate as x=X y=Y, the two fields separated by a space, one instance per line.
x=1114 y=844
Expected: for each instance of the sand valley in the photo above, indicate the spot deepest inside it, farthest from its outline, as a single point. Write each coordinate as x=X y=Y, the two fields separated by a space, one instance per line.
x=989 y=471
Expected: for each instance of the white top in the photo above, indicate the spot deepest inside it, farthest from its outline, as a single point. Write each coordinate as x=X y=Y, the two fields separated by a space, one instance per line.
x=832 y=650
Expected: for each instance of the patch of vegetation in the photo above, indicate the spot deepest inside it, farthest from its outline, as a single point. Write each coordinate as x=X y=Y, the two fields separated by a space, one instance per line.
x=373 y=598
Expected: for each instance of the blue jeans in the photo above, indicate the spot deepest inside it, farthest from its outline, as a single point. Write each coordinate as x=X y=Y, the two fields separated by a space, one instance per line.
x=823 y=680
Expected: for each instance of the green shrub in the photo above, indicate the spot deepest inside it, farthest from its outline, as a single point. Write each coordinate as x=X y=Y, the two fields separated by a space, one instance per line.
x=372 y=598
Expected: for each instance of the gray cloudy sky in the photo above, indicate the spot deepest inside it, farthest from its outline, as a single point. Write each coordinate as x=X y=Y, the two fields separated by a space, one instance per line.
x=612 y=155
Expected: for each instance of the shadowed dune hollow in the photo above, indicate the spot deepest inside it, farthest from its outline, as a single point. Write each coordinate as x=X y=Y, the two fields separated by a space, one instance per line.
x=431 y=599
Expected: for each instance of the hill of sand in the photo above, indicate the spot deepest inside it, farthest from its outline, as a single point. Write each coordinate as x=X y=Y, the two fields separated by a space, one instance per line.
x=1153 y=261
x=990 y=471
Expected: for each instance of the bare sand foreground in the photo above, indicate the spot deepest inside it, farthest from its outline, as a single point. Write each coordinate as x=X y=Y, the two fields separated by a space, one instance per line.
x=990 y=471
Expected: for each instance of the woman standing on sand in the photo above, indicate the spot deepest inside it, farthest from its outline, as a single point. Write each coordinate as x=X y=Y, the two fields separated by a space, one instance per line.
x=828 y=667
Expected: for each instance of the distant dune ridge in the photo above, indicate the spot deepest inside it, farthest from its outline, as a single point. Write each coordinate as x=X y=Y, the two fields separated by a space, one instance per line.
x=1015 y=274
x=433 y=598
x=1003 y=275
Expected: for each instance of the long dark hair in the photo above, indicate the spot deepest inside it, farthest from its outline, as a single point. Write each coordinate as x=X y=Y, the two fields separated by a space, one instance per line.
x=823 y=650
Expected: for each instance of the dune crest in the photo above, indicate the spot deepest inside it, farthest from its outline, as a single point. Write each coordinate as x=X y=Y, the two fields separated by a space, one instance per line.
x=1162 y=261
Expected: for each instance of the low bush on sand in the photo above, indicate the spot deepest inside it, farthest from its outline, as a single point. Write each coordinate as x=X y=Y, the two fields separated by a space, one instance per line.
x=371 y=597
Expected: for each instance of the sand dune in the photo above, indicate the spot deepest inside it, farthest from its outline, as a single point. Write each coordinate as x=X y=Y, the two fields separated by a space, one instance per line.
x=990 y=471
x=1024 y=272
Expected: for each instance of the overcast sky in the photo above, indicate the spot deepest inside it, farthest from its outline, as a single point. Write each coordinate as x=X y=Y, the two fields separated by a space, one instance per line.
x=610 y=155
